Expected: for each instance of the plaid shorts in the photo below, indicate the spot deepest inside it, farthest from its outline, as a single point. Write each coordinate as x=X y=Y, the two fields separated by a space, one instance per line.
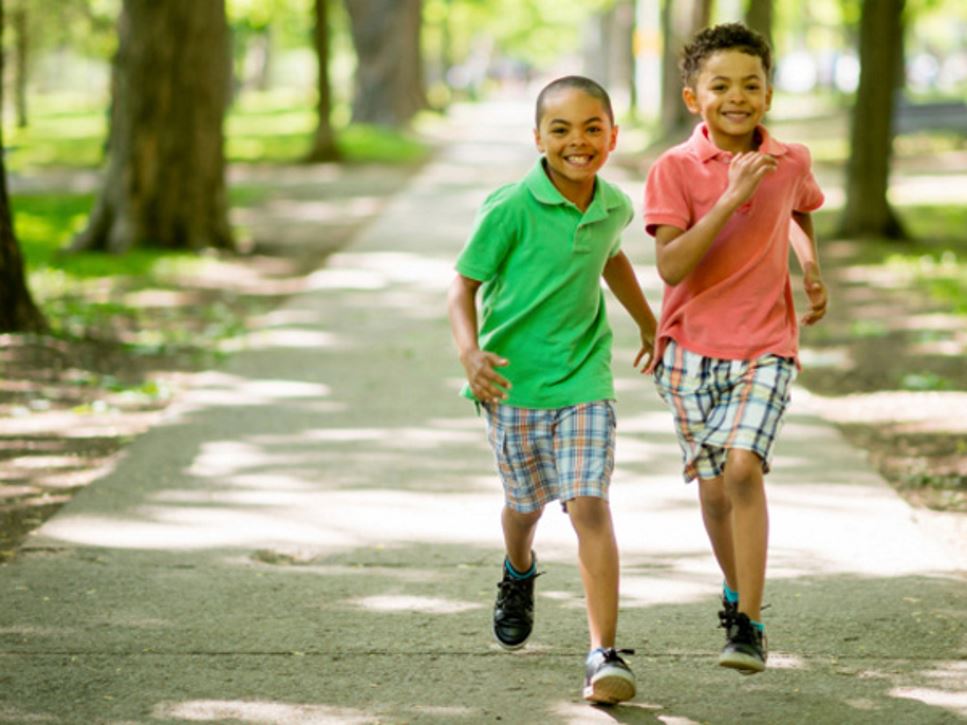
x=543 y=455
x=723 y=404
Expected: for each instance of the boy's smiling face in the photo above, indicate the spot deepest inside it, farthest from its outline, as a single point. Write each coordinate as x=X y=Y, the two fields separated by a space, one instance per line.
x=732 y=94
x=576 y=137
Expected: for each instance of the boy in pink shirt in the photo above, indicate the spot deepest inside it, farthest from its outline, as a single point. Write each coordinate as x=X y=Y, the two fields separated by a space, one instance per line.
x=719 y=207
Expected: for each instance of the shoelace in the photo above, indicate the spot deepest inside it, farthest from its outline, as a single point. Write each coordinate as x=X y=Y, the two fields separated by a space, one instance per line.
x=512 y=593
x=611 y=654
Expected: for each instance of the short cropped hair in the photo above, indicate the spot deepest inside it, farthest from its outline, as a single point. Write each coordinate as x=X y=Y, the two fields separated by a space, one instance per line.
x=727 y=36
x=581 y=83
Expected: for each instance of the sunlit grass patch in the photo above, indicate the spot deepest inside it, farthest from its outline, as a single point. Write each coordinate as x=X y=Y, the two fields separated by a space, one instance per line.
x=259 y=128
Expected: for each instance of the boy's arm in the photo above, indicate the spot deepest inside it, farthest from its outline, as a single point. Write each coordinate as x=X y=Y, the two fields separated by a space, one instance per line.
x=485 y=383
x=680 y=251
x=803 y=241
x=622 y=281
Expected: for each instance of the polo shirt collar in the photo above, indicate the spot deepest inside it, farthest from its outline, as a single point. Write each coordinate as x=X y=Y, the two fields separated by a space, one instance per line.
x=542 y=188
x=705 y=149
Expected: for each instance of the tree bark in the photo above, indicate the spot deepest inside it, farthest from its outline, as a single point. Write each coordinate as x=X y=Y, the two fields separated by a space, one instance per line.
x=21 y=27
x=389 y=88
x=324 y=141
x=758 y=16
x=680 y=19
x=868 y=211
x=18 y=313
x=164 y=186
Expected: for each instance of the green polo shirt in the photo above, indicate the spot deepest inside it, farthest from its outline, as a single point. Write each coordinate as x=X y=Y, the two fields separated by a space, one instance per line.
x=542 y=307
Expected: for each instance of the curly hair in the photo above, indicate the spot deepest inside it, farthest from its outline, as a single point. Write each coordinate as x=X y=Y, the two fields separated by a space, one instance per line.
x=593 y=89
x=727 y=36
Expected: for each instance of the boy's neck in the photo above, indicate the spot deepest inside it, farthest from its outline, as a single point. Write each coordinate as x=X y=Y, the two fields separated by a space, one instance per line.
x=579 y=194
x=736 y=145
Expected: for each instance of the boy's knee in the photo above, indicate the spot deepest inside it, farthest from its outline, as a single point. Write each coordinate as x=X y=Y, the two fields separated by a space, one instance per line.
x=589 y=512
x=743 y=471
x=522 y=518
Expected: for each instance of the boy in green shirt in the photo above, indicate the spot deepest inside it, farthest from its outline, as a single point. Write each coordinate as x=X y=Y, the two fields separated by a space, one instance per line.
x=540 y=363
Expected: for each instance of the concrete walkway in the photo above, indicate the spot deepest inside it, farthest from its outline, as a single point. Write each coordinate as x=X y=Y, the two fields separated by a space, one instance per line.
x=312 y=536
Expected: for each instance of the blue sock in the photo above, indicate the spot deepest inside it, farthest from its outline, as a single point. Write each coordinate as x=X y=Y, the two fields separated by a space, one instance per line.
x=758 y=625
x=514 y=574
x=732 y=597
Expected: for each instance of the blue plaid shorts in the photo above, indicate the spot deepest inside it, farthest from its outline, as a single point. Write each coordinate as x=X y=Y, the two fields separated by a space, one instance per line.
x=543 y=455
x=723 y=404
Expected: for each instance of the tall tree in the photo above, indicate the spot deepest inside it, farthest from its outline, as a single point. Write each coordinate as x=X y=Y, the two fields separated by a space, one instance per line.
x=389 y=87
x=165 y=180
x=759 y=17
x=18 y=313
x=868 y=211
x=324 y=140
x=21 y=29
x=680 y=19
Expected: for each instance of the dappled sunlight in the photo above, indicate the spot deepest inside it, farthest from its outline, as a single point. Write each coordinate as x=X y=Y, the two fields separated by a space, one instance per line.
x=944 y=686
x=575 y=713
x=664 y=587
x=286 y=338
x=955 y=702
x=267 y=713
x=380 y=270
x=423 y=605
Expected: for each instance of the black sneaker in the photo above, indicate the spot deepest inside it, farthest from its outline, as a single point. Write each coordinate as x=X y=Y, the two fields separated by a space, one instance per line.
x=727 y=615
x=514 y=609
x=608 y=679
x=746 y=649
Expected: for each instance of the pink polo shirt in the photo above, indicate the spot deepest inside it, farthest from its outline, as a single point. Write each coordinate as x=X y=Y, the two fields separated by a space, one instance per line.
x=737 y=303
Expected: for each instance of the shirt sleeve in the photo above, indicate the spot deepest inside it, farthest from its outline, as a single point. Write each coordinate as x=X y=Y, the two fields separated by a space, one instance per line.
x=489 y=242
x=810 y=196
x=665 y=200
x=627 y=212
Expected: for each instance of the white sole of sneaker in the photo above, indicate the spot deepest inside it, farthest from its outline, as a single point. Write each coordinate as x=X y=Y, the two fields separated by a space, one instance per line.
x=745 y=664
x=509 y=647
x=610 y=688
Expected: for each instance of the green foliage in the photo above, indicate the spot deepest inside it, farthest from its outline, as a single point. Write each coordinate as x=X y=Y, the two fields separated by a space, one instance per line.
x=260 y=128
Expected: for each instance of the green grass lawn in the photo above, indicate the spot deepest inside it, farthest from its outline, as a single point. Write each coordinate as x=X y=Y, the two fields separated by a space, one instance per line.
x=259 y=128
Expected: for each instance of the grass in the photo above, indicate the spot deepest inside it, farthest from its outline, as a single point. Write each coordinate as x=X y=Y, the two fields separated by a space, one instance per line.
x=266 y=128
x=934 y=260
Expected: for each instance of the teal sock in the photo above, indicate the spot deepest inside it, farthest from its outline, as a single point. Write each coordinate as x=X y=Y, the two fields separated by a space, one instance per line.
x=514 y=574
x=758 y=625
x=731 y=596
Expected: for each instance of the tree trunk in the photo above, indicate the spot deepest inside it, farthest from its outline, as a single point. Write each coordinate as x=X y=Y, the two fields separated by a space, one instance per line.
x=389 y=73
x=868 y=212
x=165 y=181
x=681 y=19
x=18 y=313
x=324 y=142
x=758 y=16
x=21 y=29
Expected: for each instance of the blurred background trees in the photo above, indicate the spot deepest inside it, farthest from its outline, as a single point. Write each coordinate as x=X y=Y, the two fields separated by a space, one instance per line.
x=158 y=99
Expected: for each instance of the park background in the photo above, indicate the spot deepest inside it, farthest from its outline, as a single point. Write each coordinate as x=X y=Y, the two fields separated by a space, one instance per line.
x=152 y=153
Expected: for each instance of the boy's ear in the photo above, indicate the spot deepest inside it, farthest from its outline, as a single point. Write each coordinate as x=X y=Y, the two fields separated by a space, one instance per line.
x=691 y=101
x=614 y=138
x=537 y=140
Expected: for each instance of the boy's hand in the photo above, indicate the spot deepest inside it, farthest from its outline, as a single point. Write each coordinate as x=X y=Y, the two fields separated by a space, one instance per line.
x=817 y=295
x=647 y=351
x=487 y=385
x=746 y=173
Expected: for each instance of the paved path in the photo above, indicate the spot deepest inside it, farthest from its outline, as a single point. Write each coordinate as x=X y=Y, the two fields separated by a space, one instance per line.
x=311 y=536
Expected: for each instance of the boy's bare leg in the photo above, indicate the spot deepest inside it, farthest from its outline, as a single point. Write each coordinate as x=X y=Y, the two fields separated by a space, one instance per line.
x=598 y=560
x=717 y=515
x=519 y=530
x=745 y=486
